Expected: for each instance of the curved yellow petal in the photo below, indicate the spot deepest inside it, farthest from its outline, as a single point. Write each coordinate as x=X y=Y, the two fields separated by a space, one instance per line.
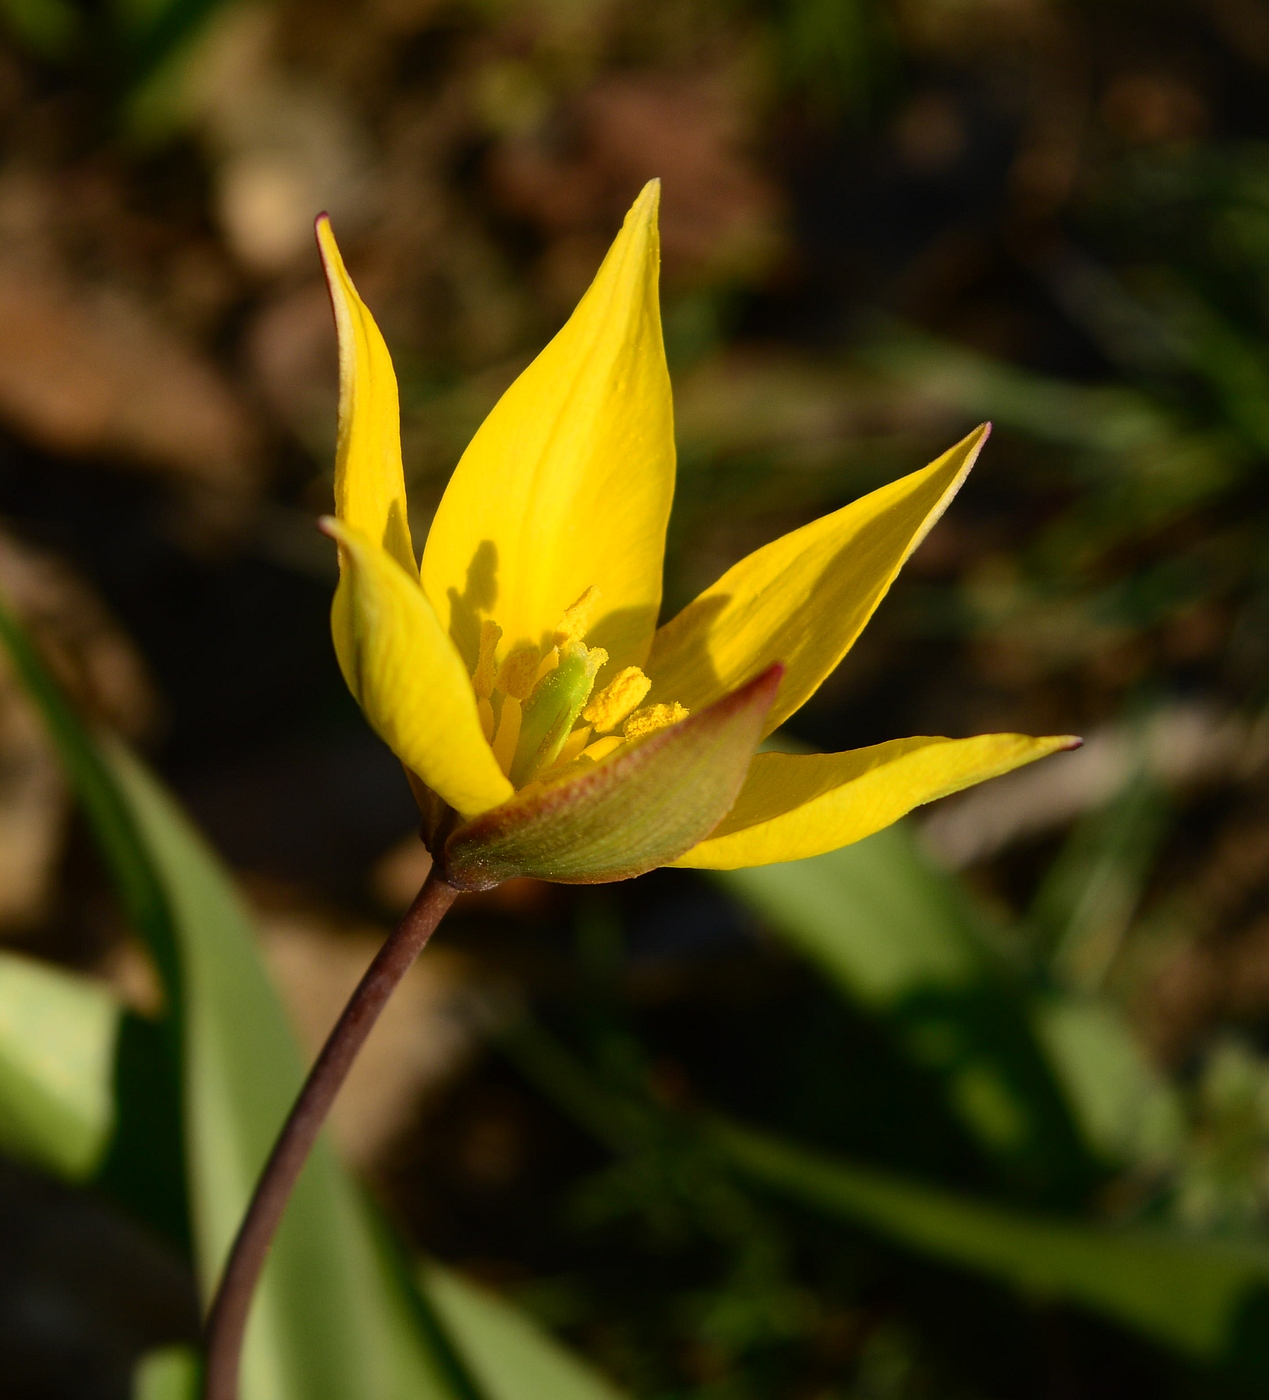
x=369 y=483
x=568 y=482
x=407 y=677
x=798 y=805
x=804 y=598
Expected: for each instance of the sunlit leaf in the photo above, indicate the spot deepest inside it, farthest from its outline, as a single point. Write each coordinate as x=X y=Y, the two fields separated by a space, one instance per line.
x=170 y=1373
x=333 y=1317
x=901 y=940
x=511 y=1358
x=57 y=1052
x=1126 y=1110
x=337 y=1315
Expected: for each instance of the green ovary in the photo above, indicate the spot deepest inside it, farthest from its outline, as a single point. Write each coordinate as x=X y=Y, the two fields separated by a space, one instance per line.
x=552 y=709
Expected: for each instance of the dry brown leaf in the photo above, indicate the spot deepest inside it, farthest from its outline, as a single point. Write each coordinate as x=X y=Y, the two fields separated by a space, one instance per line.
x=90 y=372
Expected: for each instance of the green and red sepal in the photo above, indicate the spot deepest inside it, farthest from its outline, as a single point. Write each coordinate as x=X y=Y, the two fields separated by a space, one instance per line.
x=645 y=806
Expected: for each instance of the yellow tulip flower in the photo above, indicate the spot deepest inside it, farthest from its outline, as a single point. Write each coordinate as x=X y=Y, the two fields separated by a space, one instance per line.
x=548 y=726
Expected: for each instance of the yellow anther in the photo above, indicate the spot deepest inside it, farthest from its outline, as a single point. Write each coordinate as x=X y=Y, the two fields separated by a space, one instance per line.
x=483 y=676
x=654 y=717
x=519 y=671
x=618 y=698
x=575 y=623
x=601 y=748
x=485 y=709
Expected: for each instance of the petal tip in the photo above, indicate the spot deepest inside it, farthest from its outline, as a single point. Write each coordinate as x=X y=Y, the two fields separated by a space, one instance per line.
x=974 y=442
x=332 y=262
x=649 y=197
x=641 y=218
x=1066 y=743
x=327 y=248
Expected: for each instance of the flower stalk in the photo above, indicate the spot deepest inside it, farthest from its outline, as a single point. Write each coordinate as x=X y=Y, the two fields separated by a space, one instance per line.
x=227 y=1318
x=508 y=669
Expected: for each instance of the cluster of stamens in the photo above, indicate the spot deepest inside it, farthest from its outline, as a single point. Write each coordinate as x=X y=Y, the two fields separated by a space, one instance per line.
x=530 y=703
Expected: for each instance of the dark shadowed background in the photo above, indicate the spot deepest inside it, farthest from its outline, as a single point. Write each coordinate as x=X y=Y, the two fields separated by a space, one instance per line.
x=883 y=222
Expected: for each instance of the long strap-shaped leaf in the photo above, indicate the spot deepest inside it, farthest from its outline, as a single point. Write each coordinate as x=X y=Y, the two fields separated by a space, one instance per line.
x=339 y=1316
x=57 y=1050
x=333 y=1319
x=1187 y=1292
x=1200 y=1296
x=901 y=941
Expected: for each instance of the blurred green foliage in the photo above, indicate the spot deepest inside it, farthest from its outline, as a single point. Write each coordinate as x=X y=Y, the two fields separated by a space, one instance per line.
x=909 y=1133
x=337 y=1313
x=120 y=45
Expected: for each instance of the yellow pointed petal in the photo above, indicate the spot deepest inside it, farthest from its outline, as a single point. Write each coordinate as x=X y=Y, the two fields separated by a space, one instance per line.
x=798 y=805
x=407 y=677
x=369 y=483
x=568 y=481
x=804 y=598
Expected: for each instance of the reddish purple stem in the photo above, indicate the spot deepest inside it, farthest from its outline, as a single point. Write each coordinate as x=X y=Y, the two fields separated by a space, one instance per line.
x=227 y=1318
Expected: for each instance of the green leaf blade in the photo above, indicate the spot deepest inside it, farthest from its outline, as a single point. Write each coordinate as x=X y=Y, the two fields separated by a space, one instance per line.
x=330 y=1320
x=511 y=1357
x=57 y=1047
x=1189 y=1293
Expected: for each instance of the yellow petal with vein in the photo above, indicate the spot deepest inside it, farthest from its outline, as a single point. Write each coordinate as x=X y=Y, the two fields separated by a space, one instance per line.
x=804 y=598
x=798 y=805
x=568 y=481
x=369 y=483
x=407 y=677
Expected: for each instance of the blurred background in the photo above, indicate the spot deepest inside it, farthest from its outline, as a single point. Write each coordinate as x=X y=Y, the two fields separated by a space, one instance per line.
x=883 y=221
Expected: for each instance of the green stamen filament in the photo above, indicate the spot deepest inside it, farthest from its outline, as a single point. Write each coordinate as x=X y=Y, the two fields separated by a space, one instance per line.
x=551 y=711
x=537 y=700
